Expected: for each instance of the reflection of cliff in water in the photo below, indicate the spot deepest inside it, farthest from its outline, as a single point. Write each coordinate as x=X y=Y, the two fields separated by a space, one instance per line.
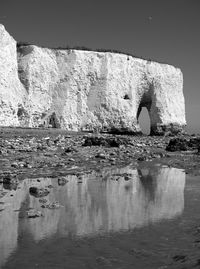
x=153 y=196
x=110 y=203
x=101 y=203
x=9 y=220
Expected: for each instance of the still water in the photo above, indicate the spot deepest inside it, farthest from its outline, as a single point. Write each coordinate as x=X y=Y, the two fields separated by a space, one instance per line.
x=101 y=218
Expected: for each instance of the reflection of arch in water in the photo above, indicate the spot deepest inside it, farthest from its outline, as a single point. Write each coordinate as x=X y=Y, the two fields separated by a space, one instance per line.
x=148 y=182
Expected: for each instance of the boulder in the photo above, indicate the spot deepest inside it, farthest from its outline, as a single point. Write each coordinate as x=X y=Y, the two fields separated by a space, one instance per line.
x=183 y=144
x=32 y=213
x=62 y=181
x=9 y=179
x=105 y=141
x=39 y=191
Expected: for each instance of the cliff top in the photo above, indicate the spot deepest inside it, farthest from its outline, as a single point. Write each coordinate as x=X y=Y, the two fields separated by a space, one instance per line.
x=100 y=50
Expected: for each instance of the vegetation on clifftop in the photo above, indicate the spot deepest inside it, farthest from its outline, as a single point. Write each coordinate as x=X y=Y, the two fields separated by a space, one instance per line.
x=67 y=47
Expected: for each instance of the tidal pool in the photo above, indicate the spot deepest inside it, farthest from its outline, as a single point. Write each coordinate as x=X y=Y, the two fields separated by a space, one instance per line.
x=117 y=218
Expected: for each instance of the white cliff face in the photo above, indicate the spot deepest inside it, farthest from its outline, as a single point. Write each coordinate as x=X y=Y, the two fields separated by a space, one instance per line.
x=87 y=90
x=11 y=90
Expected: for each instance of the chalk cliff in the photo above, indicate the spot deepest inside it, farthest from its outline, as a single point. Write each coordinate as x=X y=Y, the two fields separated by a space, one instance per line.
x=12 y=92
x=87 y=90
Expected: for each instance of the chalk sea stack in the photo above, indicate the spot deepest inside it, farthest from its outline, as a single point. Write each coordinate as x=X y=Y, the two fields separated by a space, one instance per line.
x=87 y=90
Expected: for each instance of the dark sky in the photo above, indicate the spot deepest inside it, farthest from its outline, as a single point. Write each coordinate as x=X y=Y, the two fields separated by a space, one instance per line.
x=163 y=30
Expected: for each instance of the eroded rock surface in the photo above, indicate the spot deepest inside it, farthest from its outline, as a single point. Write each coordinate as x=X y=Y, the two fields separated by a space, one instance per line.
x=88 y=90
x=12 y=92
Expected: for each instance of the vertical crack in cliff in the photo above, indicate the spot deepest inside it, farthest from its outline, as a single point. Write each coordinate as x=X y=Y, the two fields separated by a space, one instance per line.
x=23 y=51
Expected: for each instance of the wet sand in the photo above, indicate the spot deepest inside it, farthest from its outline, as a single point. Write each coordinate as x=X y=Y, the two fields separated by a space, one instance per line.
x=132 y=205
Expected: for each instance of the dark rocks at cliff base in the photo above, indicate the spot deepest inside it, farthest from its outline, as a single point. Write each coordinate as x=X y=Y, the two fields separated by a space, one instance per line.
x=105 y=141
x=195 y=143
x=183 y=144
x=44 y=152
x=177 y=144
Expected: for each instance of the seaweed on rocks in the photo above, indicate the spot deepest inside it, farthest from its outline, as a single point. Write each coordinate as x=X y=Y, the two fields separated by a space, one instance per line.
x=183 y=144
x=105 y=141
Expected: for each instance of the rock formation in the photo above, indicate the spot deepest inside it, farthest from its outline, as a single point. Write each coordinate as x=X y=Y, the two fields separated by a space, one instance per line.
x=12 y=92
x=87 y=90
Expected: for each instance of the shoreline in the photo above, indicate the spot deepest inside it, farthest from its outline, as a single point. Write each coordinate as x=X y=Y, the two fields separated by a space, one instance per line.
x=23 y=150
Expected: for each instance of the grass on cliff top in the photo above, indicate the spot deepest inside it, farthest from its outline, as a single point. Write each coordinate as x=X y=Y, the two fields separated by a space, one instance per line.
x=24 y=44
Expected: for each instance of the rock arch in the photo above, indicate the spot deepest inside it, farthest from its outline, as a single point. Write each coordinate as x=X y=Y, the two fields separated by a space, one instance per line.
x=145 y=101
x=144 y=121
